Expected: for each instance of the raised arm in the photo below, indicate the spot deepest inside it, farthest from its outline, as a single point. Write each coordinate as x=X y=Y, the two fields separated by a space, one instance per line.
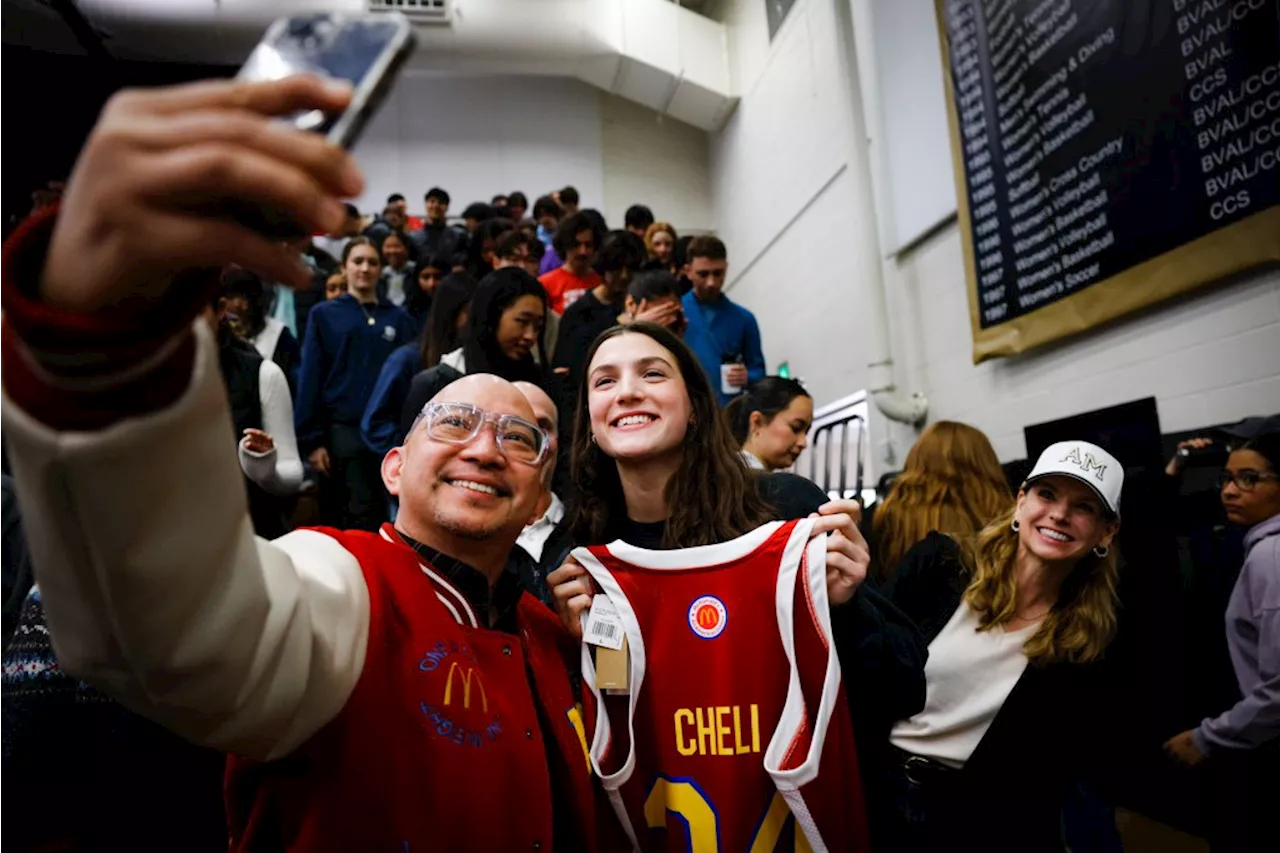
x=154 y=586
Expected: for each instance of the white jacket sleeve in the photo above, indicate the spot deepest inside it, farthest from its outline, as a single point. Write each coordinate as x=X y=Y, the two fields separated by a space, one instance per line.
x=157 y=592
x=278 y=471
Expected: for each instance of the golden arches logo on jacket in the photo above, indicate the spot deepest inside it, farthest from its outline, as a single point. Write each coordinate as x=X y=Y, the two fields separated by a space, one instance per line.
x=458 y=710
x=469 y=675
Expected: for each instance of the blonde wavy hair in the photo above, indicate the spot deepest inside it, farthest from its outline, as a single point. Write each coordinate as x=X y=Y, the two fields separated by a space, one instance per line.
x=1081 y=623
x=952 y=482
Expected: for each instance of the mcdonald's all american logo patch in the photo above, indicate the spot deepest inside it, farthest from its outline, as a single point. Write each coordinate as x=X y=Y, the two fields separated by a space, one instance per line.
x=708 y=616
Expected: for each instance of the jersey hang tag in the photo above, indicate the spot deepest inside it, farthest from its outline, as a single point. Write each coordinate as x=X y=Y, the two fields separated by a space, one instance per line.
x=613 y=669
x=604 y=626
x=603 y=630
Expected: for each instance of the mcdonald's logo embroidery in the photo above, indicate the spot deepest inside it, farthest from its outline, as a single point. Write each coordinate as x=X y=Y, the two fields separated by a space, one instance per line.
x=458 y=710
x=469 y=676
x=708 y=617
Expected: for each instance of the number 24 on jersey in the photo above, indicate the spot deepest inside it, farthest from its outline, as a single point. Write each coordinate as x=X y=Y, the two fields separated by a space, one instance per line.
x=683 y=798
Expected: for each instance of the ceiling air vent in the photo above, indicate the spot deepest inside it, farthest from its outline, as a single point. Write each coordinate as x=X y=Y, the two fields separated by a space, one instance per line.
x=418 y=11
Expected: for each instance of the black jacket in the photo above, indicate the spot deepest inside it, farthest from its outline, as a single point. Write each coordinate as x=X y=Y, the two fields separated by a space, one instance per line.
x=582 y=323
x=435 y=240
x=1054 y=727
x=288 y=357
x=533 y=573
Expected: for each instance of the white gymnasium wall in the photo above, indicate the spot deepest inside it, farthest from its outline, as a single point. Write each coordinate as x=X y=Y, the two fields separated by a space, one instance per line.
x=914 y=154
x=656 y=161
x=479 y=136
x=783 y=190
x=784 y=194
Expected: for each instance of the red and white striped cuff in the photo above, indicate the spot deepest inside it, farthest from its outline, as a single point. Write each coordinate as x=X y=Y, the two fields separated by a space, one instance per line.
x=88 y=370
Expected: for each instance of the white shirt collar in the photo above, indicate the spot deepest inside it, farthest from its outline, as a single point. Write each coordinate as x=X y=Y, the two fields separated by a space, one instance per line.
x=534 y=537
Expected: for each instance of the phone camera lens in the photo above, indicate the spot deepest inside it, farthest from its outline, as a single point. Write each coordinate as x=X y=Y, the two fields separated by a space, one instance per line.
x=310 y=33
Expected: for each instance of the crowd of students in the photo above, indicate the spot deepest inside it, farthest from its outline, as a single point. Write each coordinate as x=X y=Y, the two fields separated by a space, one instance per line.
x=466 y=423
x=400 y=305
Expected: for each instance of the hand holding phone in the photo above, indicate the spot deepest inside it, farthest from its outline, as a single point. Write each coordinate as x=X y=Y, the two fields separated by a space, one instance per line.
x=205 y=175
x=367 y=51
x=135 y=215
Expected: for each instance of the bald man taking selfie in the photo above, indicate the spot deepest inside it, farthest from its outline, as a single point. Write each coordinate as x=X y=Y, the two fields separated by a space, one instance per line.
x=374 y=690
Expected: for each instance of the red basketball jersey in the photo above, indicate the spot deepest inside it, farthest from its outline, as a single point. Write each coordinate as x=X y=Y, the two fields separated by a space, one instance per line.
x=735 y=735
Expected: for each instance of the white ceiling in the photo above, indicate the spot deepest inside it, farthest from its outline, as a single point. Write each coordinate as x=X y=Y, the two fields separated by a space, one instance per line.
x=655 y=52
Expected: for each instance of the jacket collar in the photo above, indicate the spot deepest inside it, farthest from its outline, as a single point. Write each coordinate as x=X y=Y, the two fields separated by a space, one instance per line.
x=462 y=589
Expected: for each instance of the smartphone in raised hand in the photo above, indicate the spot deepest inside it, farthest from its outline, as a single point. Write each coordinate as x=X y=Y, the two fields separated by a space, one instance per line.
x=366 y=50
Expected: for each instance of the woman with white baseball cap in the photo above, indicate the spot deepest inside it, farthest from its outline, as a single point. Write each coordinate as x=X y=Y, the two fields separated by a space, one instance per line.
x=1017 y=618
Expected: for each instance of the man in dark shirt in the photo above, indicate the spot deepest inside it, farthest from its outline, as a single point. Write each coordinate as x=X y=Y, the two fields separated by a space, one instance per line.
x=544 y=541
x=435 y=237
x=517 y=206
x=568 y=198
x=620 y=255
x=392 y=219
x=638 y=219
x=624 y=296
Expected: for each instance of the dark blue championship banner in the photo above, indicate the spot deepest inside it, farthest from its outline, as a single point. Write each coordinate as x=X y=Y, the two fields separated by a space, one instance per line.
x=1110 y=154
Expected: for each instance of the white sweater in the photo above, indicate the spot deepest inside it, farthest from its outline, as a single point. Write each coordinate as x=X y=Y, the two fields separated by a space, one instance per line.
x=279 y=470
x=265 y=341
x=968 y=677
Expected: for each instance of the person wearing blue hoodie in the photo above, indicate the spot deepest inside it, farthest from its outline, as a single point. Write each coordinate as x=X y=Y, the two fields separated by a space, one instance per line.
x=348 y=339
x=1241 y=746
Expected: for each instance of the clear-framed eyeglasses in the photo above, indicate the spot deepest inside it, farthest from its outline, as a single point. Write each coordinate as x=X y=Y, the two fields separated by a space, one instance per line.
x=459 y=423
x=1246 y=480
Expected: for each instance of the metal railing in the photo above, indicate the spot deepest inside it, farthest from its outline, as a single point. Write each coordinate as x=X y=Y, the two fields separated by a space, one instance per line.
x=821 y=447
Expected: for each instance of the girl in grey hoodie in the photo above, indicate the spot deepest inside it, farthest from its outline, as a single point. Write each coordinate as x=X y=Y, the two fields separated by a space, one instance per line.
x=1246 y=737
